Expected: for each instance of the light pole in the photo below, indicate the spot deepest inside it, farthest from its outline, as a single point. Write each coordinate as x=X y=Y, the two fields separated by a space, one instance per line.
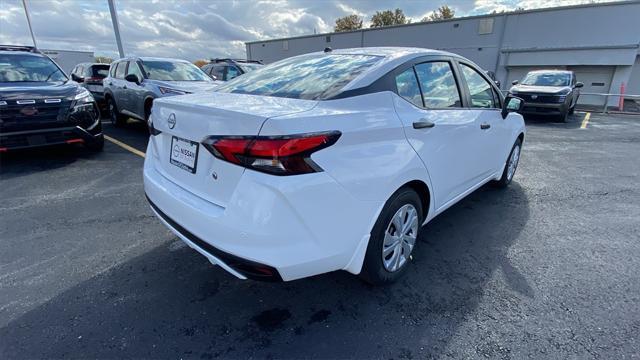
x=26 y=11
x=116 y=26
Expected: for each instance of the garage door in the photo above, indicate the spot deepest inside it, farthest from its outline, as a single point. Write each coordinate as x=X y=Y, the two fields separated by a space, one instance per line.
x=596 y=79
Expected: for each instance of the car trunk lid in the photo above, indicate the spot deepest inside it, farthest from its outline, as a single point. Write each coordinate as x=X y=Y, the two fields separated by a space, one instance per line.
x=184 y=121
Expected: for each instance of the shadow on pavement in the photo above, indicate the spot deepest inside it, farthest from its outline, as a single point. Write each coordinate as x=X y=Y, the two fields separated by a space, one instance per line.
x=170 y=303
x=24 y=162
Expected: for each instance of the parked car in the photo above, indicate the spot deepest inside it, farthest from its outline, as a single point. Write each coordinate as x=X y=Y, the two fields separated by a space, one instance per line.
x=227 y=69
x=40 y=105
x=90 y=76
x=133 y=84
x=548 y=92
x=327 y=161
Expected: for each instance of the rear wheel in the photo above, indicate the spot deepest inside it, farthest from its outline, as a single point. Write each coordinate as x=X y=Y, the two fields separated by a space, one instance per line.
x=510 y=166
x=393 y=238
x=114 y=115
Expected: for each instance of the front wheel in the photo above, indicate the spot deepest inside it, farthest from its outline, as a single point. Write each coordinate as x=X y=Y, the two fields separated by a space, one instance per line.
x=393 y=238
x=510 y=166
x=96 y=145
x=114 y=115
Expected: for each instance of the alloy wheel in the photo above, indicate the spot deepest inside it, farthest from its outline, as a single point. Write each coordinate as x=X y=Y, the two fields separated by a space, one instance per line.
x=513 y=162
x=400 y=238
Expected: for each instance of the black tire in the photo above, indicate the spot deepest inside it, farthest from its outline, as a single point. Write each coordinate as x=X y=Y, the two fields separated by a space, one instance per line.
x=96 y=145
x=114 y=115
x=373 y=269
x=505 y=180
x=563 y=117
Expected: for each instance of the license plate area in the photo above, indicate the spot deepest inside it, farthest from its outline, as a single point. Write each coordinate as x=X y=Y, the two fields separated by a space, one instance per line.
x=184 y=154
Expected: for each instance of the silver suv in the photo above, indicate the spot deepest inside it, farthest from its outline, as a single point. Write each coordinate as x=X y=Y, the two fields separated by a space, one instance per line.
x=134 y=82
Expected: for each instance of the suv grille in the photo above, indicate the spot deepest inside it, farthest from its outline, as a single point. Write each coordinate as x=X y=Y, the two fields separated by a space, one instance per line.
x=39 y=115
x=539 y=98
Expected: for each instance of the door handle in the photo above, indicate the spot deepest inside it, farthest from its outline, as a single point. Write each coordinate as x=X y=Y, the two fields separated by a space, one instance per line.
x=423 y=124
x=124 y=87
x=484 y=126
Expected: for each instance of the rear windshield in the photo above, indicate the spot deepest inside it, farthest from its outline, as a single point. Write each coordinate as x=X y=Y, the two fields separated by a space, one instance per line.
x=100 y=71
x=29 y=68
x=173 y=71
x=547 y=79
x=312 y=77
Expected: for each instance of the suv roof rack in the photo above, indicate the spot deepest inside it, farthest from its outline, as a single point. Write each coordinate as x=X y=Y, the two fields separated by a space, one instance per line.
x=219 y=60
x=19 y=48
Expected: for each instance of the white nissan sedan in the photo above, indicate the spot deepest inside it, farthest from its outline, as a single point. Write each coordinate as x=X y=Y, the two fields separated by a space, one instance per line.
x=328 y=161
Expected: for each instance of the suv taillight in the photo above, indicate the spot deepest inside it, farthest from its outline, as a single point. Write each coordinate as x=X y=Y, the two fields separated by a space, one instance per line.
x=277 y=155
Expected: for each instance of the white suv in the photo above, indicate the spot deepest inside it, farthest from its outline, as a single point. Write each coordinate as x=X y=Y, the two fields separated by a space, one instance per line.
x=328 y=161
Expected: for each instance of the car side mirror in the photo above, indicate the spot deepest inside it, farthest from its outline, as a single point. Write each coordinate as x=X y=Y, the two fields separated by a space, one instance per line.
x=579 y=85
x=132 y=78
x=515 y=82
x=77 y=78
x=497 y=83
x=511 y=104
x=213 y=77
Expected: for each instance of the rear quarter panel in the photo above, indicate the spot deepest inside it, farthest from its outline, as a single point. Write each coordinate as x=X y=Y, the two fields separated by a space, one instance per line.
x=372 y=159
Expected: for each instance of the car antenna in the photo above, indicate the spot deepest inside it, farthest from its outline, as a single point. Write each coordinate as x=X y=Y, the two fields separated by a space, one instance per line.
x=328 y=49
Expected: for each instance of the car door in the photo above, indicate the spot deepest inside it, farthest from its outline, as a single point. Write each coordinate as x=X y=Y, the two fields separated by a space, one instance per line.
x=117 y=86
x=135 y=92
x=484 y=107
x=438 y=126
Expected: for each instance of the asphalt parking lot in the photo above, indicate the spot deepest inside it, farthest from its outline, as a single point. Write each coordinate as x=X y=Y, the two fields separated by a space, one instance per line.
x=548 y=268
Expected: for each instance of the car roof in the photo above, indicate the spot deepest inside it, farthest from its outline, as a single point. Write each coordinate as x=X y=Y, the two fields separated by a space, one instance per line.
x=35 y=54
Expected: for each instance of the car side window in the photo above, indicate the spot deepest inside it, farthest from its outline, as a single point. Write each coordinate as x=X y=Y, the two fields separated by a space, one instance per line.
x=120 y=71
x=218 y=71
x=481 y=92
x=439 y=88
x=112 y=69
x=408 y=88
x=135 y=69
x=232 y=72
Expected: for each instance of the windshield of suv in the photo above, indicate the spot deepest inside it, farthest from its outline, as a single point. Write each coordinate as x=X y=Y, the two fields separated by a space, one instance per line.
x=312 y=77
x=246 y=67
x=547 y=79
x=29 y=68
x=173 y=71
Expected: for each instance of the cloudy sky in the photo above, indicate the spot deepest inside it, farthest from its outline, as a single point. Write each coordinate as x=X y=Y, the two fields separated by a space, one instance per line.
x=203 y=29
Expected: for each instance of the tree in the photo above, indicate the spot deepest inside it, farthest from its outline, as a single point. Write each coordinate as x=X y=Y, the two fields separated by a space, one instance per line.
x=442 y=13
x=347 y=23
x=388 y=18
x=200 y=63
x=103 y=59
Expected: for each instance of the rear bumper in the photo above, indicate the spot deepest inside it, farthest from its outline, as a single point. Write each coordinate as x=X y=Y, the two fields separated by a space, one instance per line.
x=238 y=266
x=285 y=227
x=45 y=137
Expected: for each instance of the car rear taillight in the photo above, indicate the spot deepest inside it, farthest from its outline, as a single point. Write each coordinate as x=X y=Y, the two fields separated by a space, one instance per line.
x=93 y=80
x=277 y=155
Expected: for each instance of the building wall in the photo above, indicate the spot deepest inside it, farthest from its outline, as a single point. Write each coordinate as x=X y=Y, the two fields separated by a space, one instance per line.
x=600 y=35
x=67 y=59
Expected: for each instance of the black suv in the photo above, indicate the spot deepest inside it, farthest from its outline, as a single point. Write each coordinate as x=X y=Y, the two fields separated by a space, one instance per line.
x=40 y=106
x=548 y=92
x=227 y=69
